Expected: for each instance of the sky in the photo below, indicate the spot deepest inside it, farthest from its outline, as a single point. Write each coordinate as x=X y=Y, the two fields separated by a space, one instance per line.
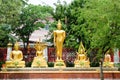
x=48 y=2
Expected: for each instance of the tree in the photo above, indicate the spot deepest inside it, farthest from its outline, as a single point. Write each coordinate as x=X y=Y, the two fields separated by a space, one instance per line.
x=31 y=18
x=9 y=15
x=96 y=23
x=103 y=20
x=69 y=14
x=59 y=13
x=4 y=35
x=97 y=27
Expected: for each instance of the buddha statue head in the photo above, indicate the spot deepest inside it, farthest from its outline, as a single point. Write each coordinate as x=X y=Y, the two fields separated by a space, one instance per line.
x=59 y=25
x=39 y=48
x=36 y=45
x=16 y=46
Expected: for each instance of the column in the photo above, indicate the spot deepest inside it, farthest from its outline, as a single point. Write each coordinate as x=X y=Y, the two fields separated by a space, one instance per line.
x=45 y=53
x=116 y=55
x=9 y=49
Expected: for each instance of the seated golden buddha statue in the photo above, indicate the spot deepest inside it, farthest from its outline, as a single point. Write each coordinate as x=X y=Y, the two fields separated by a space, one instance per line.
x=39 y=60
x=16 y=57
x=107 y=60
x=81 y=60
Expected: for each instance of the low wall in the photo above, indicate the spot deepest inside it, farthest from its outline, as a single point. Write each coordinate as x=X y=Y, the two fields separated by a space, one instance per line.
x=53 y=73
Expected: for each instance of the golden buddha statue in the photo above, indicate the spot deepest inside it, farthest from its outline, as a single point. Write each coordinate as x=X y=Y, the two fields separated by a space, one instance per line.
x=81 y=60
x=39 y=60
x=107 y=60
x=59 y=36
x=16 y=57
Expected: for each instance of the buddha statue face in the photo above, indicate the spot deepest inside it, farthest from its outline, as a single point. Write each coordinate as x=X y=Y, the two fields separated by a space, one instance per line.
x=81 y=51
x=59 y=25
x=39 y=48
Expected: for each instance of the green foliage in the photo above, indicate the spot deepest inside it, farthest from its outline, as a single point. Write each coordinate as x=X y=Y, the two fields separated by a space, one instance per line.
x=94 y=64
x=10 y=10
x=50 y=64
x=31 y=18
x=1 y=63
x=69 y=64
x=94 y=22
x=4 y=36
x=28 y=64
x=68 y=14
x=100 y=19
x=103 y=25
x=60 y=11
x=117 y=65
x=9 y=15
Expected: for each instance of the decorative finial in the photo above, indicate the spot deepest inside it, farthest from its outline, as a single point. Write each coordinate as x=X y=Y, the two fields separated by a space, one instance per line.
x=81 y=49
x=59 y=25
x=59 y=22
x=9 y=44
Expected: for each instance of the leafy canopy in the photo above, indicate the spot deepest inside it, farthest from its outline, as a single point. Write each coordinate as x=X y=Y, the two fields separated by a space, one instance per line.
x=94 y=22
x=9 y=16
x=31 y=18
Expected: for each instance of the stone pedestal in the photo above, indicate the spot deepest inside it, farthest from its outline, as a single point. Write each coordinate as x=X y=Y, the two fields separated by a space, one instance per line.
x=10 y=64
x=81 y=64
x=59 y=64
x=39 y=62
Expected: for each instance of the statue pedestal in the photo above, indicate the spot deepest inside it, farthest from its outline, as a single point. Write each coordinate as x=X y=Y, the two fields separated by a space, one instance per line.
x=10 y=64
x=59 y=64
x=39 y=62
x=108 y=64
x=82 y=64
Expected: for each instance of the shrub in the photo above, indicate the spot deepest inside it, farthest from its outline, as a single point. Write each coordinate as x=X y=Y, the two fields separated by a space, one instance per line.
x=50 y=64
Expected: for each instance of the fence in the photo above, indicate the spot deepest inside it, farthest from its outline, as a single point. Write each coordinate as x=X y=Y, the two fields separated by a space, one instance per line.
x=68 y=54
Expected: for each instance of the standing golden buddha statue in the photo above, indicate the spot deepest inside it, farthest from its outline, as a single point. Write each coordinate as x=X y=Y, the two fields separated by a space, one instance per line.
x=81 y=60
x=39 y=60
x=16 y=57
x=59 y=37
x=107 y=60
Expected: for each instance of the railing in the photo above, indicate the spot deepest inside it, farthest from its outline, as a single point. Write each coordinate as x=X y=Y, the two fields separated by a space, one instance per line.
x=67 y=55
x=3 y=54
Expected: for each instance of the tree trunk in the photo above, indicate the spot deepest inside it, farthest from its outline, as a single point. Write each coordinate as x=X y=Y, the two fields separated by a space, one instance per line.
x=25 y=51
x=101 y=71
x=101 y=67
